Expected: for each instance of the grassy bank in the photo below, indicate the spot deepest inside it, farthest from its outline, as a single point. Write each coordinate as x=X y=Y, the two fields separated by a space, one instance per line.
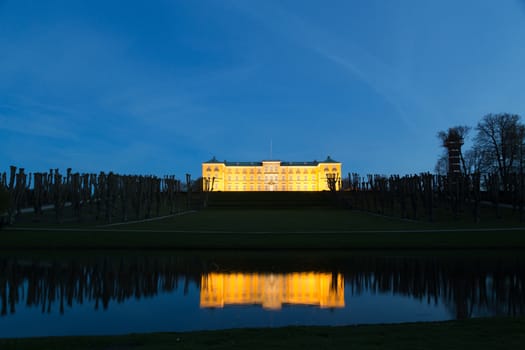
x=270 y=229
x=498 y=333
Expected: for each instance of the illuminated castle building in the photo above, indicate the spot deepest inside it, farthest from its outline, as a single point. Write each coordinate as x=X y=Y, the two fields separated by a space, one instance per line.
x=271 y=175
x=271 y=291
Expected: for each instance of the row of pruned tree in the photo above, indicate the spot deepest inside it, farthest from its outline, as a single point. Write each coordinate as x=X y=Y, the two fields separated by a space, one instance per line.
x=103 y=196
x=426 y=196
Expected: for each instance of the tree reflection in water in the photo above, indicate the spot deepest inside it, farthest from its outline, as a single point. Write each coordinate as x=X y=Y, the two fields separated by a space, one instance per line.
x=467 y=286
x=494 y=286
x=43 y=284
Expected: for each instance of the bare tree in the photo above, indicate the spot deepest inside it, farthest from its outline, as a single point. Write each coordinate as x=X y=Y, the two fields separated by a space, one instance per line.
x=475 y=161
x=188 y=191
x=4 y=204
x=499 y=138
x=441 y=167
x=332 y=180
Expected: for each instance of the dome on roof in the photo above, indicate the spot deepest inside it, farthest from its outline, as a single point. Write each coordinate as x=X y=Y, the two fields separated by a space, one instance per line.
x=213 y=160
x=329 y=160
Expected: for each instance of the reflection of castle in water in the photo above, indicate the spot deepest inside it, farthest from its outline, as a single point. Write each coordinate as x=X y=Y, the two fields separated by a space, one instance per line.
x=468 y=286
x=325 y=290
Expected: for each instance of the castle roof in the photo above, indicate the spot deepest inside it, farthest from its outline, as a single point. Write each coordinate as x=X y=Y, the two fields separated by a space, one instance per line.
x=243 y=163
x=213 y=160
x=309 y=163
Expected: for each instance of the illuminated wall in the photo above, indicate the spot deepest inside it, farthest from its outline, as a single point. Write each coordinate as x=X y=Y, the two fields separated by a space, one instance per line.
x=270 y=175
x=271 y=291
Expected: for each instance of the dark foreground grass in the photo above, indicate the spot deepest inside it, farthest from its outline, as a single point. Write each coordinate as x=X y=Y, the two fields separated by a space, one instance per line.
x=270 y=229
x=498 y=333
x=268 y=241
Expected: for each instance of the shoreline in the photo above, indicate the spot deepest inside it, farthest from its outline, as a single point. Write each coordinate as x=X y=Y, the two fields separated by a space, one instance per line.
x=483 y=333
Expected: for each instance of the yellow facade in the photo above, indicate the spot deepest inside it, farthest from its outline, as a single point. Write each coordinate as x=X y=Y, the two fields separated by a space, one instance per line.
x=271 y=291
x=271 y=175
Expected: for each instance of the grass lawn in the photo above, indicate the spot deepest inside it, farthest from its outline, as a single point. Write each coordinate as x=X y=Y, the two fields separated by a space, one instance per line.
x=496 y=333
x=307 y=228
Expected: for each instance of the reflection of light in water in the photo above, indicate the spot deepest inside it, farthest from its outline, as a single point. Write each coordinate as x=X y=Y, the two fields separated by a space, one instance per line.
x=325 y=290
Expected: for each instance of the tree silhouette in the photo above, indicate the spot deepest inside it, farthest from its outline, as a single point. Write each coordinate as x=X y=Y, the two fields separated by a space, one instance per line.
x=499 y=137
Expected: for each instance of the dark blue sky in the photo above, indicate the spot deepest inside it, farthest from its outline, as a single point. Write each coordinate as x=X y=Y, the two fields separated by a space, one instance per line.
x=157 y=87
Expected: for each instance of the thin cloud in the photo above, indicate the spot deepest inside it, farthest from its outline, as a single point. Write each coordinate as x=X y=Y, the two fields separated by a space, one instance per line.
x=35 y=127
x=27 y=117
x=355 y=60
x=380 y=88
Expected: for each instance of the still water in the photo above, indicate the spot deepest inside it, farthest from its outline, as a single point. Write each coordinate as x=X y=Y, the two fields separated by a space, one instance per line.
x=179 y=291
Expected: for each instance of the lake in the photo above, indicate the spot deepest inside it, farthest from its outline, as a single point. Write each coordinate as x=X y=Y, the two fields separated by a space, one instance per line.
x=87 y=293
